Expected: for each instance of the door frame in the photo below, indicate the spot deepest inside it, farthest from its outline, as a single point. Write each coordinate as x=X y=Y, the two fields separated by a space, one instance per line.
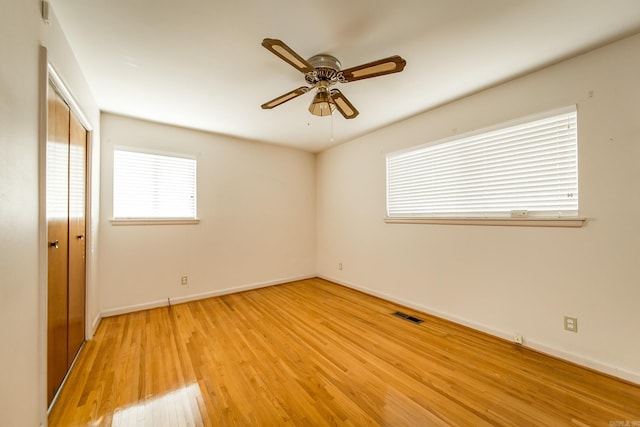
x=48 y=73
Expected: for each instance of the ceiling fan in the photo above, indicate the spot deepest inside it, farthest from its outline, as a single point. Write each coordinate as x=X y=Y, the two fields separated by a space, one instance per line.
x=322 y=72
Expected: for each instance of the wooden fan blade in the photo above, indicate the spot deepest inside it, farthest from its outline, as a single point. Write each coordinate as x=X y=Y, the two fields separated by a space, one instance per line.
x=284 y=98
x=392 y=64
x=343 y=105
x=280 y=49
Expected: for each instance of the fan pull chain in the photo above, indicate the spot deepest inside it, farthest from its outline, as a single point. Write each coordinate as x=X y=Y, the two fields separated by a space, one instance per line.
x=332 y=126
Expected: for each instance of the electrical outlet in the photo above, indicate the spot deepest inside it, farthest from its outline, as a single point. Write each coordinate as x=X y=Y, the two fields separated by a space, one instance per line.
x=339 y=266
x=571 y=323
x=517 y=338
x=184 y=280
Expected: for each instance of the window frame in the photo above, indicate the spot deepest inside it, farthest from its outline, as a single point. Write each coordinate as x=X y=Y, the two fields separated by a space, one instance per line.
x=154 y=220
x=461 y=219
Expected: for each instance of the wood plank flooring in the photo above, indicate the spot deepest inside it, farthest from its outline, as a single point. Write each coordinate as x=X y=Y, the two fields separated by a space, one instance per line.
x=313 y=353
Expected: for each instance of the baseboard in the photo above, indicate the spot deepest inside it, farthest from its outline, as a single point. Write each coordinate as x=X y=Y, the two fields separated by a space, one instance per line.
x=194 y=297
x=532 y=344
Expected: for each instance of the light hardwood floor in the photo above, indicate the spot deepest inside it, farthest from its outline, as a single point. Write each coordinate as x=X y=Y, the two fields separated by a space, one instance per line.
x=315 y=353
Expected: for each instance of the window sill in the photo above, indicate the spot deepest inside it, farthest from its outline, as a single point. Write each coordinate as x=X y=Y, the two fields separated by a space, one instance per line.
x=151 y=221
x=518 y=222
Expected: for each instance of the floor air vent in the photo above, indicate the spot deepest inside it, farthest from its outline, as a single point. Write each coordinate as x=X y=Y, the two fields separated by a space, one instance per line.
x=408 y=317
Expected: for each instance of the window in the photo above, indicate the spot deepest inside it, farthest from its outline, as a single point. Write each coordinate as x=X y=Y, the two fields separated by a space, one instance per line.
x=155 y=186
x=526 y=170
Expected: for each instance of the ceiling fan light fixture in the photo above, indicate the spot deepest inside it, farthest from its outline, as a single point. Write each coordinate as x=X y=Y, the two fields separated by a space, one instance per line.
x=322 y=104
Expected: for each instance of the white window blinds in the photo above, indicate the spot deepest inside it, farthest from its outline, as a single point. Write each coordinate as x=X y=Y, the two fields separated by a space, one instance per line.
x=529 y=169
x=153 y=186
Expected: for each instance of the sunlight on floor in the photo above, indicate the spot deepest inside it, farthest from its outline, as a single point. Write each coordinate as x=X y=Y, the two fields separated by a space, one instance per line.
x=176 y=408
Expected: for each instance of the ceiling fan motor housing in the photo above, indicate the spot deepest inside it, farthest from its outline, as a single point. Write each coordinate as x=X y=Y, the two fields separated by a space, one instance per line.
x=326 y=67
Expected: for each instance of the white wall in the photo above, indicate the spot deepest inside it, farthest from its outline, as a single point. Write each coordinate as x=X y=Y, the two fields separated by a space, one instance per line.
x=256 y=203
x=19 y=360
x=509 y=279
x=22 y=315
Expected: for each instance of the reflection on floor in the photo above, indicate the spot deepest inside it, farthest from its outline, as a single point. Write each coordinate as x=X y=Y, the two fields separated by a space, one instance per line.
x=176 y=408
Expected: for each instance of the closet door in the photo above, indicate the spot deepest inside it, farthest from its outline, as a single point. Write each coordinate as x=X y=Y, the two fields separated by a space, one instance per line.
x=58 y=232
x=77 y=247
x=66 y=202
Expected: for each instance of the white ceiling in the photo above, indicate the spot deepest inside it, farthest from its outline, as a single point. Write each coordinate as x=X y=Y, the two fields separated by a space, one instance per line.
x=199 y=63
